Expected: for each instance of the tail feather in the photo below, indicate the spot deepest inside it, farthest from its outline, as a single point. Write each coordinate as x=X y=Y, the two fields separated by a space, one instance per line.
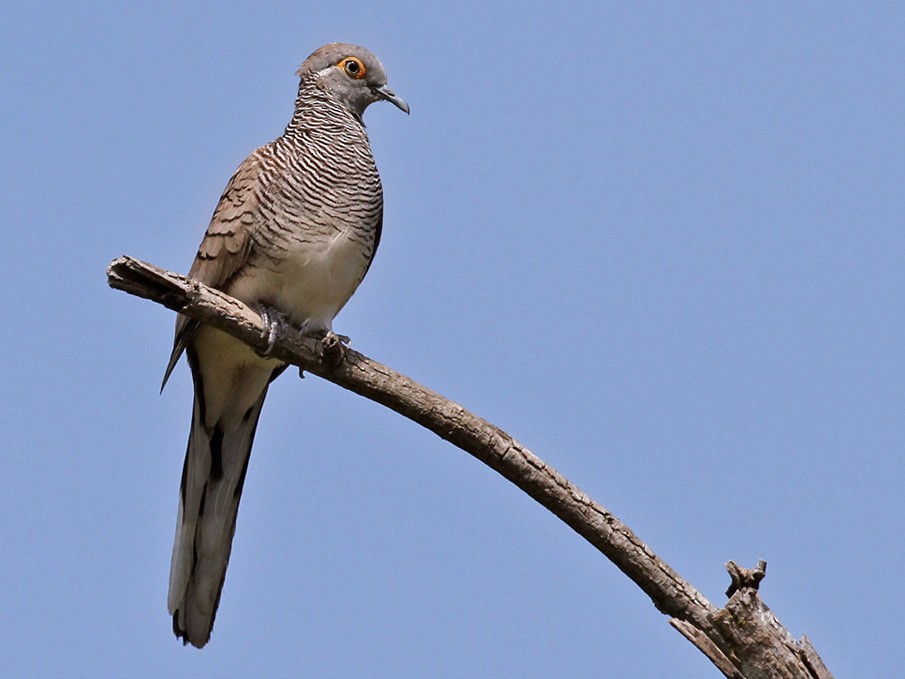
x=212 y=478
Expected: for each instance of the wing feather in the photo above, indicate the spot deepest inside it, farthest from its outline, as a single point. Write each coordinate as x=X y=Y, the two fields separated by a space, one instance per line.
x=226 y=245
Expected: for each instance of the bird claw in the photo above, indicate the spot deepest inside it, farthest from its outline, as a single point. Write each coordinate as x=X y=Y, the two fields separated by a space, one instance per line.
x=274 y=323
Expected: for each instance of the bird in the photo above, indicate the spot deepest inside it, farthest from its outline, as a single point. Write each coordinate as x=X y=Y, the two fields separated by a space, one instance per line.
x=292 y=236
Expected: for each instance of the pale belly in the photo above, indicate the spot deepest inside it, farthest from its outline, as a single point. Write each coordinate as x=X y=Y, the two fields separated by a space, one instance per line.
x=310 y=284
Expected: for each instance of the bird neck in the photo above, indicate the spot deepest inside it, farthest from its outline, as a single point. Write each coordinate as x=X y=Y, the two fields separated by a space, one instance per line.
x=316 y=111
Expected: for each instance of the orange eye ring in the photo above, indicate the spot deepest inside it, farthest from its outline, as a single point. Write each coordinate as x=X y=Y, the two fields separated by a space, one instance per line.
x=353 y=67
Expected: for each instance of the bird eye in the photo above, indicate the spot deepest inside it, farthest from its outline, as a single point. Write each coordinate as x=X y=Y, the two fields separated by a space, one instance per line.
x=353 y=67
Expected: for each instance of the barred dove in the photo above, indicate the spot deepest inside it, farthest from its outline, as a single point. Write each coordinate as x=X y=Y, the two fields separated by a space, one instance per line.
x=293 y=235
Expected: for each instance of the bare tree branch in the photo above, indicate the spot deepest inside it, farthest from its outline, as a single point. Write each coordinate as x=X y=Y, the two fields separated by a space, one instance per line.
x=743 y=639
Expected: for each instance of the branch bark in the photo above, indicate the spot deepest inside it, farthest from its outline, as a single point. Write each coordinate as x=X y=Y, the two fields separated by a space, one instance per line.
x=744 y=639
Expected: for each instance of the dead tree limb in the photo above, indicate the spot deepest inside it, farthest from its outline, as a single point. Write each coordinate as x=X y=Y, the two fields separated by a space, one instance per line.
x=744 y=639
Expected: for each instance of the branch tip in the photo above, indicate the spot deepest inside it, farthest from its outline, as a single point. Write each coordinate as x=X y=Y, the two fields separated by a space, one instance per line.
x=745 y=578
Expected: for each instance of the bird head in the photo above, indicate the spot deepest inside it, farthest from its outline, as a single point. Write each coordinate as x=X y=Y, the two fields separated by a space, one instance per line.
x=351 y=75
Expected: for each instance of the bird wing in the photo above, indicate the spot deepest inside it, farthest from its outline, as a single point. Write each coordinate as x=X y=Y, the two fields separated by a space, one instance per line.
x=226 y=244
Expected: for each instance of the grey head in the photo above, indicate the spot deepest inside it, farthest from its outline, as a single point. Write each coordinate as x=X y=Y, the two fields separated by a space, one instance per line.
x=351 y=75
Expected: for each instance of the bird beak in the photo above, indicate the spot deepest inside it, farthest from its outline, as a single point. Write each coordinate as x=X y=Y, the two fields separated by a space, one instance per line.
x=386 y=93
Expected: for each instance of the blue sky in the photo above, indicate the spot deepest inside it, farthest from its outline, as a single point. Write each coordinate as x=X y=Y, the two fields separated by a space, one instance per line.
x=660 y=244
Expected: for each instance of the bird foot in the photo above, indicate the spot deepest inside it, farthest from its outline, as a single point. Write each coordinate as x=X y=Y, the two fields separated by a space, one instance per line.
x=275 y=322
x=331 y=349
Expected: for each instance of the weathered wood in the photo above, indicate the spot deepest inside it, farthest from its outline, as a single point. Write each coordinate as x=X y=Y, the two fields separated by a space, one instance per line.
x=742 y=640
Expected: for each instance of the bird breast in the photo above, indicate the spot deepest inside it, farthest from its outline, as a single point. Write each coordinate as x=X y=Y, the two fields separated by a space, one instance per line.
x=319 y=277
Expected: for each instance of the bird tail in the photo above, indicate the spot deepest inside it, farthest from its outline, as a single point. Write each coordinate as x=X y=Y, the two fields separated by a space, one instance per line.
x=216 y=460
